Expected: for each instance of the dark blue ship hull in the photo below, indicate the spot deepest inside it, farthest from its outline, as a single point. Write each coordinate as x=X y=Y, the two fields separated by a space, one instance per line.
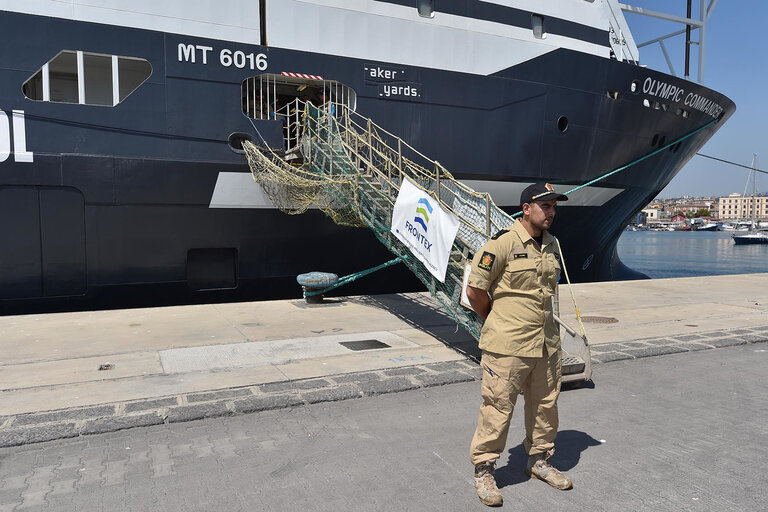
x=115 y=209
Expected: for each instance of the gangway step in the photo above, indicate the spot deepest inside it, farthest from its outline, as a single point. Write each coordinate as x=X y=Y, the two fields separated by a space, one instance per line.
x=572 y=364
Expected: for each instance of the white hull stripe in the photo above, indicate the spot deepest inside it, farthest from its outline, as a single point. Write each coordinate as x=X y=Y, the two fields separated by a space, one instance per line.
x=238 y=190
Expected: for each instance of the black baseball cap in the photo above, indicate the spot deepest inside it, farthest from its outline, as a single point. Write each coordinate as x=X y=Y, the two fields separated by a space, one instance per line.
x=540 y=192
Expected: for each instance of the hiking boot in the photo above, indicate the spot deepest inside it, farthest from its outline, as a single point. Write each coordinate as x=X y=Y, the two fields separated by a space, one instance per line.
x=539 y=467
x=485 y=484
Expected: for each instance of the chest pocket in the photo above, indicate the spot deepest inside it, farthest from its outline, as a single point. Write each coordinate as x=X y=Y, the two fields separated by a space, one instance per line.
x=552 y=268
x=520 y=273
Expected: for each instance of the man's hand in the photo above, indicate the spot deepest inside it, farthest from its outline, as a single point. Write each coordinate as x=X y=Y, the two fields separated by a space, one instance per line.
x=479 y=300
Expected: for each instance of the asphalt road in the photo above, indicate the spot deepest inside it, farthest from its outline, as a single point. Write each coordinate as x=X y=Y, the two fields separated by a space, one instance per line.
x=676 y=432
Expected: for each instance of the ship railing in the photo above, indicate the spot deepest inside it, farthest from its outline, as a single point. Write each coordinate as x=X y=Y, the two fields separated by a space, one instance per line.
x=390 y=158
x=352 y=169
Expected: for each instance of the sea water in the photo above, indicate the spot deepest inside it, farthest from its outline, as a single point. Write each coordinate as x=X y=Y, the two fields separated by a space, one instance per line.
x=660 y=254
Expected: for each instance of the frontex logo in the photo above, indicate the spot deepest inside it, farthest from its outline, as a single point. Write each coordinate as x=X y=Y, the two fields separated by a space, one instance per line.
x=423 y=209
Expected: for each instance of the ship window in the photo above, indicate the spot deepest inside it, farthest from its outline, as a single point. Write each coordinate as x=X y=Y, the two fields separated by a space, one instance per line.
x=62 y=72
x=98 y=79
x=87 y=78
x=537 y=24
x=33 y=88
x=426 y=8
x=132 y=73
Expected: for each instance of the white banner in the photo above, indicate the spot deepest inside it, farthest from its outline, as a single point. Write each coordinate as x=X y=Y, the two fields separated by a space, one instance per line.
x=424 y=227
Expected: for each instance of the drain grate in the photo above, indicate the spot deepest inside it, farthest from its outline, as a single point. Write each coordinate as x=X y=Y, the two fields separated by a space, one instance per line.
x=599 y=319
x=106 y=366
x=364 y=344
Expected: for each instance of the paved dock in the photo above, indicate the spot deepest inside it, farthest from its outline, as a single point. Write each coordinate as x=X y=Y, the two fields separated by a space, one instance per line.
x=172 y=364
x=680 y=432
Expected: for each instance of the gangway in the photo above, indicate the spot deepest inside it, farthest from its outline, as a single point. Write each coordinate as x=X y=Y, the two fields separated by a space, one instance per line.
x=350 y=168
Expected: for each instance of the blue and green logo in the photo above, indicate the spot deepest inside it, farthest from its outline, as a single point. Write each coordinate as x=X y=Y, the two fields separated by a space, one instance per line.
x=423 y=209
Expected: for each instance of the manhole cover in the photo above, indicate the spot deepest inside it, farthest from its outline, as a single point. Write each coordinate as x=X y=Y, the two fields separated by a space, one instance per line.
x=364 y=344
x=599 y=319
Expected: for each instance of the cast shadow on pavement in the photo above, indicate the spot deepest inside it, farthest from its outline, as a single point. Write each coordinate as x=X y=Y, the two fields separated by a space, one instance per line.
x=568 y=448
x=422 y=312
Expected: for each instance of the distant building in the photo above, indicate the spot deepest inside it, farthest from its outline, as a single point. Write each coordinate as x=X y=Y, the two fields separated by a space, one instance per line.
x=650 y=215
x=693 y=206
x=736 y=207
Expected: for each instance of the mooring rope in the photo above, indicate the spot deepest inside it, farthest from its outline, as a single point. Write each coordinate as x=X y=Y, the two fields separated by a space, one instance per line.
x=637 y=161
x=353 y=277
x=357 y=275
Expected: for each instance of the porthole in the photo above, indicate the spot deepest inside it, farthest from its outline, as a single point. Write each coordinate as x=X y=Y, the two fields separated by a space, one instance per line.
x=562 y=123
x=634 y=86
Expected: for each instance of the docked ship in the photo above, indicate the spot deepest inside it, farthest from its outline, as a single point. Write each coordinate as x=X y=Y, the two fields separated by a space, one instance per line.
x=122 y=175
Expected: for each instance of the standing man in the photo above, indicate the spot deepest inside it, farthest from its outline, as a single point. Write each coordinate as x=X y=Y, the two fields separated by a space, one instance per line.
x=511 y=285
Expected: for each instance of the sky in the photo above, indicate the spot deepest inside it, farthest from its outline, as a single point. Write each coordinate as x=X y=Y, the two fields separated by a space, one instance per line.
x=736 y=65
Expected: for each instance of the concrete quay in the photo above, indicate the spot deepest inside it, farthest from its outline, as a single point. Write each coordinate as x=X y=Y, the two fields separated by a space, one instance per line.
x=173 y=364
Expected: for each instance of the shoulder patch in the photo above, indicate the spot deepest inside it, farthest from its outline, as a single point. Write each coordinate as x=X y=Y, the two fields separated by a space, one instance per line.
x=497 y=235
x=486 y=260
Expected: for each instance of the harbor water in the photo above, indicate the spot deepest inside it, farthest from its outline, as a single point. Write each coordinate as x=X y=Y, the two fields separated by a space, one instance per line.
x=662 y=254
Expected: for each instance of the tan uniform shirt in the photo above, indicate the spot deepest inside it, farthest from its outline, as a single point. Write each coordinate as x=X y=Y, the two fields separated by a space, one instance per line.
x=521 y=279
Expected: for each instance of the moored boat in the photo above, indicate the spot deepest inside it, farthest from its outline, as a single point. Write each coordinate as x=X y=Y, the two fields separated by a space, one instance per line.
x=752 y=237
x=753 y=234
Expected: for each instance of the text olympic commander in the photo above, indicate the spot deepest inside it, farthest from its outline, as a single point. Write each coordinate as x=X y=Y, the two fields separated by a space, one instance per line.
x=511 y=285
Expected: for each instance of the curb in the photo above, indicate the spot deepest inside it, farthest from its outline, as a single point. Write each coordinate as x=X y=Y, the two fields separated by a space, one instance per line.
x=66 y=423
x=647 y=347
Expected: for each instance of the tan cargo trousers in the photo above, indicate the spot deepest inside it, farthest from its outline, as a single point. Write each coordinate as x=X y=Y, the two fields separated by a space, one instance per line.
x=503 y=379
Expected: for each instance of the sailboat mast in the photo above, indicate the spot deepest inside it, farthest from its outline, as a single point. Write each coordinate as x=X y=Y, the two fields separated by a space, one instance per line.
x=754 y=191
